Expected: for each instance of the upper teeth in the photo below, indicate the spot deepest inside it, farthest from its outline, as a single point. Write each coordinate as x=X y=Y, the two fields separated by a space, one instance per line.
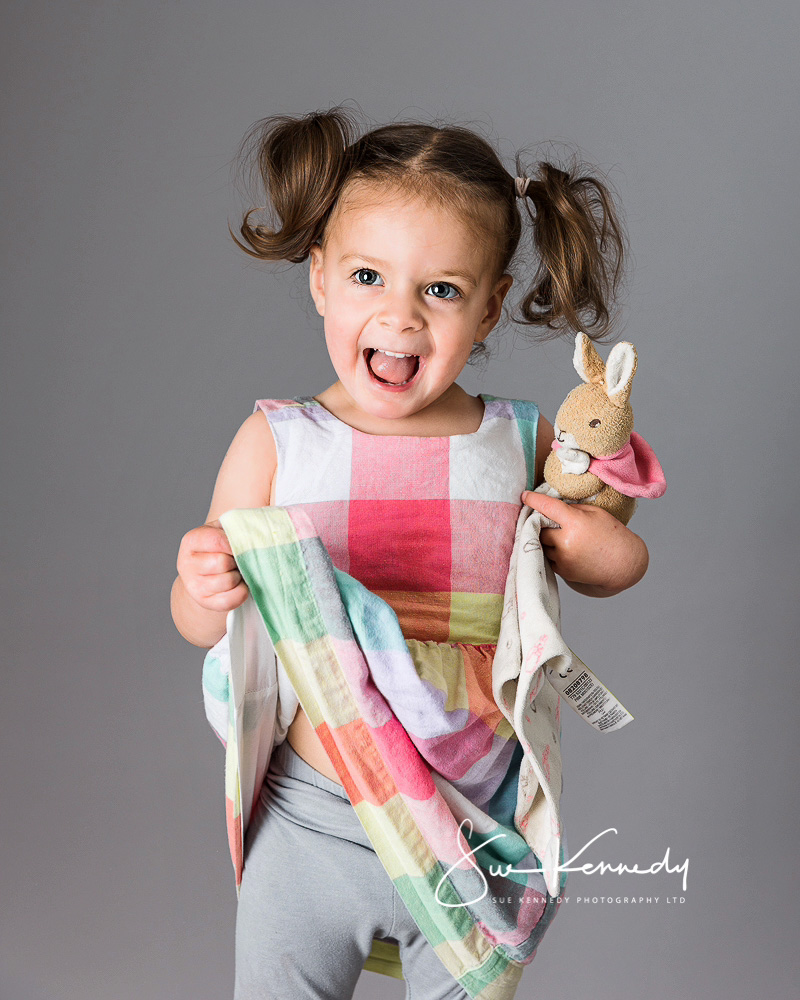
x=393 y=354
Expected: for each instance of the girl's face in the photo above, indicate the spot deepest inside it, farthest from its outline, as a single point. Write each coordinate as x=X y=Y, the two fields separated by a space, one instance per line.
x=400 y=277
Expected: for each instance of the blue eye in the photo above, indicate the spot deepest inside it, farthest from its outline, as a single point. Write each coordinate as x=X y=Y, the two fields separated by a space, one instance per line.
x=447 y=288
x=366 y=276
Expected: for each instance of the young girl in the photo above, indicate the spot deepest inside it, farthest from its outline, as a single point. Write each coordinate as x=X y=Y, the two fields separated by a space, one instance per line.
x=413 y=485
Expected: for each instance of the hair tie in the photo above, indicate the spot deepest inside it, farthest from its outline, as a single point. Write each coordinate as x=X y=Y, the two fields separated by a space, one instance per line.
x=521 y=184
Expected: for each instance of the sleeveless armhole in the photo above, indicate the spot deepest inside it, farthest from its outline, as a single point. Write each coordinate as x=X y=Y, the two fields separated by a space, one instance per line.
x=527 y=417
x=270 y=408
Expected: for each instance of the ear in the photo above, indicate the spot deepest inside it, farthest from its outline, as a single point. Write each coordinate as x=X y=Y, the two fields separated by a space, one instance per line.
x=494 y=307
x=316 y=278
x=588 y=363
x=620 y=369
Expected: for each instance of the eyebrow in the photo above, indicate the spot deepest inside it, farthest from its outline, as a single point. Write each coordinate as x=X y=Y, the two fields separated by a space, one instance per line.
x=445 y=272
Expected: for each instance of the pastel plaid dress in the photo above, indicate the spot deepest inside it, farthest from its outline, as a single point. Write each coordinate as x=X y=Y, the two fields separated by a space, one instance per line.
x=399 y=592
x=427 y=524
x=393 y=554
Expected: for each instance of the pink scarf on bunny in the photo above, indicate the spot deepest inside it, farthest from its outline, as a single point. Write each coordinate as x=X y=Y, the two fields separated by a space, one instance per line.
x=633 y=471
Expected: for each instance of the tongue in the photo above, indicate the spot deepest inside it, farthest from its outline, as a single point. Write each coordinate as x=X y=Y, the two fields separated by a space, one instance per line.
x=394 y=370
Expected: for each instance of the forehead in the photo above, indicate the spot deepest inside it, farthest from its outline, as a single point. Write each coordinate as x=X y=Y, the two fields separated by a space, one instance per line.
x=375 y=212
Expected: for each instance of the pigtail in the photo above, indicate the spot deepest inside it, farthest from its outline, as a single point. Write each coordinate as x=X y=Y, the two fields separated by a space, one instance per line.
x=301 y=164
x=580 y=245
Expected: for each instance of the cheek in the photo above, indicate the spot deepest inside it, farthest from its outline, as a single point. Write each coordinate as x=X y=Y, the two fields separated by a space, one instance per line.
x=341 y=339
x=461 y=343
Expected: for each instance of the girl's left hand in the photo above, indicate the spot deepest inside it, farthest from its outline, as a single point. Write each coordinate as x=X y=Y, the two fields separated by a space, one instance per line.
x=594 y=552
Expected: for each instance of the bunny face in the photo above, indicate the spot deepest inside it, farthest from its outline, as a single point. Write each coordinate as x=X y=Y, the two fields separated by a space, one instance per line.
x=596 y=417
x=589 y=421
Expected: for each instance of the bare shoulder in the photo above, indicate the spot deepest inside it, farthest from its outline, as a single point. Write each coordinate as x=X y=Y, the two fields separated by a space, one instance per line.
x=246 y=474
x=544 y=440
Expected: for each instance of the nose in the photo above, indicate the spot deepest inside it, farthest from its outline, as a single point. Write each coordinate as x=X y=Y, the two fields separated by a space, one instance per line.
x=399 y=312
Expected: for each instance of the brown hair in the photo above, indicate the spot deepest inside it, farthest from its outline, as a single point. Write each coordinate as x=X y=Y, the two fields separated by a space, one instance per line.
x=305 y=163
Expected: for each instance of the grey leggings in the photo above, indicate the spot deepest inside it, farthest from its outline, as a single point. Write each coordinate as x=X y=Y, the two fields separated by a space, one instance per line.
x=314 y=894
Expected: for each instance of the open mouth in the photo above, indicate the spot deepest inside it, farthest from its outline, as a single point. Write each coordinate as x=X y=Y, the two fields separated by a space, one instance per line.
x=392 y=368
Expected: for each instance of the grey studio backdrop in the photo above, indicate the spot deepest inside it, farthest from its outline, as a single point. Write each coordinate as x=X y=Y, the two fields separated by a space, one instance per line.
x=136 y=338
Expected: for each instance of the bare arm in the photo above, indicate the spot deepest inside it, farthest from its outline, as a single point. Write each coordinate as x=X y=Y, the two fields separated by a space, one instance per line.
x=208 y=584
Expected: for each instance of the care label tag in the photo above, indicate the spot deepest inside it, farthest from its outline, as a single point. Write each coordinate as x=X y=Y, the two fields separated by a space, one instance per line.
x=590 y=698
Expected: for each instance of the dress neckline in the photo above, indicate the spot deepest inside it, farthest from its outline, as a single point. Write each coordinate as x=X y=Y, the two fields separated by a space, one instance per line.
x=421 y=437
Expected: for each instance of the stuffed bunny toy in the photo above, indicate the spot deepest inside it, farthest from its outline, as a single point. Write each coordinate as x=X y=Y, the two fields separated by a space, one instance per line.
x=597 y=456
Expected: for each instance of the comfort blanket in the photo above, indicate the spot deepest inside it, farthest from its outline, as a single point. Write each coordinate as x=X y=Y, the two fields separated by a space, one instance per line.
x=482 y=880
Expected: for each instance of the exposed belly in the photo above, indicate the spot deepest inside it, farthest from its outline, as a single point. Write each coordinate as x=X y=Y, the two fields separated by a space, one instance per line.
x=304 y=741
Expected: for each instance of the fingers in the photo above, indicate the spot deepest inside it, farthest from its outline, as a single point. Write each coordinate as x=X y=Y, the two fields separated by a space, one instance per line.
x=550 y=551
x=208 y=569
x=211 y=538
x=550 y=538
x=217 y=583
x=216 y=592
x=232 y=596
x=212 y=563
x=551 y=507
x=206 y=538
x=555 y=510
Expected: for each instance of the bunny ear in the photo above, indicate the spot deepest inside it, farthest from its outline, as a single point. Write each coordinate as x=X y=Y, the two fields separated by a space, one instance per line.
x=620 y=369
x=588 y=363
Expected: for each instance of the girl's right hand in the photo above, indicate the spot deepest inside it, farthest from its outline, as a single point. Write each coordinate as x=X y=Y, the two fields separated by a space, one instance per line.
x=208 y=570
